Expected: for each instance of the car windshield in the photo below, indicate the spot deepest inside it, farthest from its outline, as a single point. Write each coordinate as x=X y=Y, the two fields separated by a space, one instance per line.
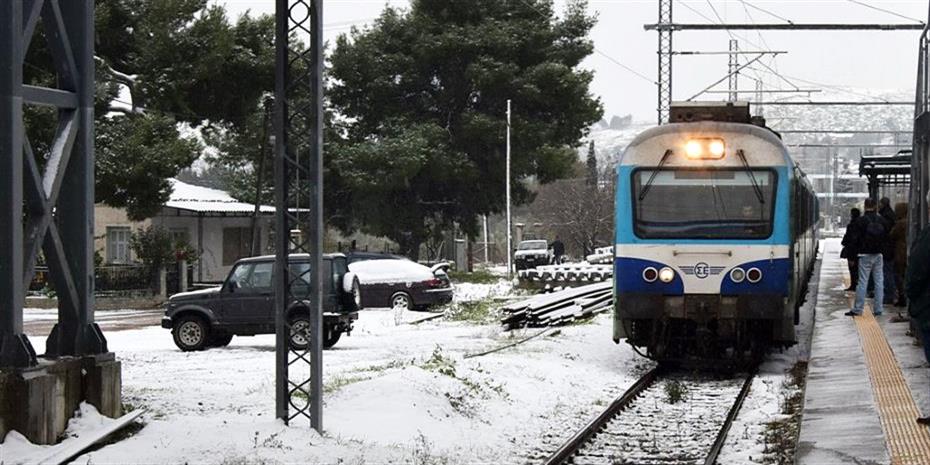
x=704 y=204
x=533 y=245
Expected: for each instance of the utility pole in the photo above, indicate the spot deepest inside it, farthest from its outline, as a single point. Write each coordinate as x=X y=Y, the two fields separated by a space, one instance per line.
x=509 y=219
x=487 y=245
x=665 y=61
x=734 y=71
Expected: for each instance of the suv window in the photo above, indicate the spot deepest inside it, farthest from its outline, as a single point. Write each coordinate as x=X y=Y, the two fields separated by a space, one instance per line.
x=240 y=276
x=300 y=281
x=257 y=277
x=261 y=276
x=252 y=277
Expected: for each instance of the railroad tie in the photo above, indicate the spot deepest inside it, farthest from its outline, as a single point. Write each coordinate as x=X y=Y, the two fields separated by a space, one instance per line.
x=908 y=442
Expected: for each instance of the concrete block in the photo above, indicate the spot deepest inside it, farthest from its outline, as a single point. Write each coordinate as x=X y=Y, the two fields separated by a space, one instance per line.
x=103 y=383
x=38 y=402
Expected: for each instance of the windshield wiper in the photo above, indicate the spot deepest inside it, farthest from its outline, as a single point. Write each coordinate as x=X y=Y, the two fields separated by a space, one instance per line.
x=752 y=176
x=655 y=172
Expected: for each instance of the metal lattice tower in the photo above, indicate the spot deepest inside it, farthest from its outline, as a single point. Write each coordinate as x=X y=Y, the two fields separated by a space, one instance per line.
x=665 y=60
x=734 y=70
x=47 y=199
x=299 y=207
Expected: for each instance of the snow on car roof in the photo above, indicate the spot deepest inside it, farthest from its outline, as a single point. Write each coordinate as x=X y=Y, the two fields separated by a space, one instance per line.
x=390 y=271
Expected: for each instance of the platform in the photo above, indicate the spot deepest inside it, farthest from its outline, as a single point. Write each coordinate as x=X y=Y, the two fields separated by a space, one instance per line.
x=867 y=382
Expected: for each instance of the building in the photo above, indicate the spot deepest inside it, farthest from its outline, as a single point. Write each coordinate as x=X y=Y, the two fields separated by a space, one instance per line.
x=210 y=220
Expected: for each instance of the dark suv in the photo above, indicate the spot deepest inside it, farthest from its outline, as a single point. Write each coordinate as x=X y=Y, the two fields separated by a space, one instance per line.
x=244 y=304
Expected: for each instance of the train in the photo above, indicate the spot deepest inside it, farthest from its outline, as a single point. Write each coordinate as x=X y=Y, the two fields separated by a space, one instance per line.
x=716 y=237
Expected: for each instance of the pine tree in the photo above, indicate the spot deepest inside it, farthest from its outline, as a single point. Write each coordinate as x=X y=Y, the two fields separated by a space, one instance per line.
x=591 y=173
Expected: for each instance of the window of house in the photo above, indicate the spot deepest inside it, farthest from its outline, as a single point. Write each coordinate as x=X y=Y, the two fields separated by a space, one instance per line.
x=237 y=243
x=180 y=235
x=118 y=245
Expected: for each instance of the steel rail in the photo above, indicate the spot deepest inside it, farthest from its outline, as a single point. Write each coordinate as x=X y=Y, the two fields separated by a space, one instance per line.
x=572 y=446
x=725 y=429
x=591 y=429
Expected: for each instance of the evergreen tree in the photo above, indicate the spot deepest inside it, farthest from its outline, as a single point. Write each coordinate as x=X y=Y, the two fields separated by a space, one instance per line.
x=424 y=91
x=591 y=174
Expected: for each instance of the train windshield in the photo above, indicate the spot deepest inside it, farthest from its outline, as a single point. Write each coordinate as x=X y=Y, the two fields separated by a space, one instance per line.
x=704 y=204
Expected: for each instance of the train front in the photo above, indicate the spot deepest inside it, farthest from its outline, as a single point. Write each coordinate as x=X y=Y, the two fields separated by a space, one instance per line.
x=702 y=264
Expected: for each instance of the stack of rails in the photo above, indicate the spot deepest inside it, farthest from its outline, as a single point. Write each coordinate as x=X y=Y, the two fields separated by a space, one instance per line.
x=601 y=256
x=567 y=273
x=558 y=308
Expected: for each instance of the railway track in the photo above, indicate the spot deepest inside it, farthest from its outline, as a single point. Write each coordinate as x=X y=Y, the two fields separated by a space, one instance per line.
x=642 y=427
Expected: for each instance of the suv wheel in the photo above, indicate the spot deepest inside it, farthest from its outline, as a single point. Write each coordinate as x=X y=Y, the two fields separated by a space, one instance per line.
x=402 y=300
x=191 y=333
x=356 y=295
x=300 y=332
x=331 y=336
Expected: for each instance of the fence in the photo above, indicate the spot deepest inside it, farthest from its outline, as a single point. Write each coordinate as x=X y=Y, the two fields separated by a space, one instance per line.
x=120 y=280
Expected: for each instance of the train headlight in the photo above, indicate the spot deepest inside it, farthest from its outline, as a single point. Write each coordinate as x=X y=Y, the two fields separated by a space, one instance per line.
x=650 y=275
x=693 y=149
x=737 y=275
x=666 y=275
x=705 y=149
x=754 y=275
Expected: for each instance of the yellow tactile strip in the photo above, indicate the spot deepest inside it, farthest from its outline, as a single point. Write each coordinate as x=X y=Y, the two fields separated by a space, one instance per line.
x=908 y=442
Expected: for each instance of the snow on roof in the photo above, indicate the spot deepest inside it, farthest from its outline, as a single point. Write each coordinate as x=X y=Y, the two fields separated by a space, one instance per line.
x=199 y=199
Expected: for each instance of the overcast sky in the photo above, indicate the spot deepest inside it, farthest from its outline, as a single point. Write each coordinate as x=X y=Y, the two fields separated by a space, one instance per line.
x=867 y=60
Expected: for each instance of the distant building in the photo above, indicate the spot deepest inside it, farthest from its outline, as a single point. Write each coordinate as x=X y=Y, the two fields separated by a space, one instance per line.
x=210 y=220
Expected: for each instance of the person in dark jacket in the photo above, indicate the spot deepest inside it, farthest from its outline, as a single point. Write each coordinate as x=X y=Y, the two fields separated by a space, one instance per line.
x=558 y=249
x=890 y=218
x=849 y=251
x=917 y=287
x=899 y=239
x=871 y=233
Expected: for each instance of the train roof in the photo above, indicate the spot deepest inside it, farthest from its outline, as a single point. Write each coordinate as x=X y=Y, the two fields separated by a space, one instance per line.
x=710 y=127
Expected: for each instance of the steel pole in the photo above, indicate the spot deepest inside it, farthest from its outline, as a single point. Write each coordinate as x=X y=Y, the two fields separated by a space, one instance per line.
x=282 y=240
x=316 y=221
x=509 y=219
x=12 y=352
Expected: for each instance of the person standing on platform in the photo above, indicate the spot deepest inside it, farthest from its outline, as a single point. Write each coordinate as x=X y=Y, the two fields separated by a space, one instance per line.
x=558 y=250
x=888 y=267
x=917 y=286
x=849 y=251
x=871 y=234
x=899 y=238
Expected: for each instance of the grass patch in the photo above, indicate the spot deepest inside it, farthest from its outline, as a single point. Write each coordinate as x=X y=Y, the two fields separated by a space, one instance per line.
x=440 y=363
x=479 y=311
x=465 y=399
x=675 y=391
x=475 y=277
x=781 y=436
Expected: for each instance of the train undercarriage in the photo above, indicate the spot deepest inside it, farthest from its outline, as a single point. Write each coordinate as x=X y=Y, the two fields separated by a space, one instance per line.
x=705 y=329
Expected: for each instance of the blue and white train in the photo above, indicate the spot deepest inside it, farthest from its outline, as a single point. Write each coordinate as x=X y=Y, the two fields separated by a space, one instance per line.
x=716 y=238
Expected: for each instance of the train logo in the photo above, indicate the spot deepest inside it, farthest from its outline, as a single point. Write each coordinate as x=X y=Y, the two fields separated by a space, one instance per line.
x=702 y=270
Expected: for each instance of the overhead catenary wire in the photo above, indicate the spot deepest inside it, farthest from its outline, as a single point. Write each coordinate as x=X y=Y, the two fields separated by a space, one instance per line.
x=768 y=12
x=883 y=10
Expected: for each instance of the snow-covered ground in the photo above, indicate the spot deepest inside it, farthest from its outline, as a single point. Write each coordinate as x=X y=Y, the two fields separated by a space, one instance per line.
x=394 y=392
